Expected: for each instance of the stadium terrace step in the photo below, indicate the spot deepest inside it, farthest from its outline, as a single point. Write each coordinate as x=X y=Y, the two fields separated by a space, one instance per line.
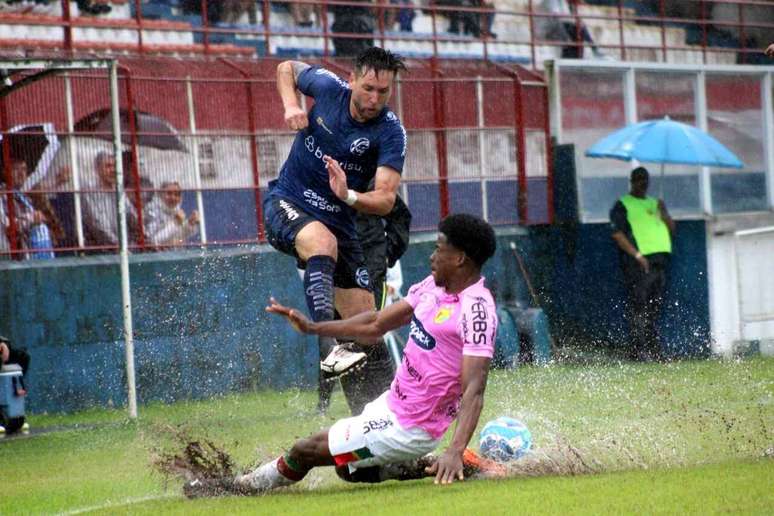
x=130 y=48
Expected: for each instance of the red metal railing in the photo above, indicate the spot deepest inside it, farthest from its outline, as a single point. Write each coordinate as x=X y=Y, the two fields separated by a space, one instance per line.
x=437 y=99
x=528 y=46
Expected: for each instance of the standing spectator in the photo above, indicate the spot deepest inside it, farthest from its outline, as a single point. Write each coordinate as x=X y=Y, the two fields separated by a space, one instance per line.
x=222 y=11
x=569 y=28
x=166 y=224
x=643 y=230
x=469 y=22
x=355 y=20
x=32 y=225
x=403 y=15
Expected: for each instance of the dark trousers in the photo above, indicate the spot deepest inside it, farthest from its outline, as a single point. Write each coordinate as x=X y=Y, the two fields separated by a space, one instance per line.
x=645 y=299
x=576 y=51
x=22 y=358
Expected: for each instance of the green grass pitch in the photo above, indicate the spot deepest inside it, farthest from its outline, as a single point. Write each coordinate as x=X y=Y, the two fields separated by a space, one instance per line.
x=685 y=437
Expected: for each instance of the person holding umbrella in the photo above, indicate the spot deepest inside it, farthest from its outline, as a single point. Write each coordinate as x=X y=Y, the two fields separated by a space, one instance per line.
x=643 y=232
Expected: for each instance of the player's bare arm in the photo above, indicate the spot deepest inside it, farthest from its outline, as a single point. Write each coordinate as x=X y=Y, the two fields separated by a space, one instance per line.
x=365 y=327
x=379 y=201
x=448 y=467
x=627 y=247
x=287 y=80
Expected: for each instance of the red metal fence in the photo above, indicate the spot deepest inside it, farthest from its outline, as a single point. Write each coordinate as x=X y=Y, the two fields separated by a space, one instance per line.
x=214 y=130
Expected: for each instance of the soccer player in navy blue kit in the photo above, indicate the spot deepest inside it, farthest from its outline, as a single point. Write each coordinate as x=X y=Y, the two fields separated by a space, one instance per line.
x=349 y=137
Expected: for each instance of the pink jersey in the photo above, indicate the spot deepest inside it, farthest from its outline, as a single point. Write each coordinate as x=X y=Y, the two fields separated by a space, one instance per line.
x=427 y=389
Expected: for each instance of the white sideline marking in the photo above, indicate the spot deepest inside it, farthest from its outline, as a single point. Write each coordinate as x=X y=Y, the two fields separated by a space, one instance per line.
x=112 y=505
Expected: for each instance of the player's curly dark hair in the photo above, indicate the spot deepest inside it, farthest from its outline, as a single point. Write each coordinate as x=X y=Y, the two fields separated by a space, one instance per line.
x=378 y=59
x=470 y=234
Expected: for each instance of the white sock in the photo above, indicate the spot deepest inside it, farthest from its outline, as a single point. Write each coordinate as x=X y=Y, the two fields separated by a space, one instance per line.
x=265 y=477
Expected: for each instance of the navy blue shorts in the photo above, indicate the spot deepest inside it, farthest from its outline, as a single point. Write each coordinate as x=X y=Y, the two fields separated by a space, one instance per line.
x=283 y=220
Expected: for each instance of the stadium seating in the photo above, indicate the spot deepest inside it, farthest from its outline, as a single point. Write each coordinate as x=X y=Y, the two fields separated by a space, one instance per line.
x=166 y=27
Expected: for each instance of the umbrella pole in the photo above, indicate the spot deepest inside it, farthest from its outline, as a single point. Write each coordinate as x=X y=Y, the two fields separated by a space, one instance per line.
x=661 y=184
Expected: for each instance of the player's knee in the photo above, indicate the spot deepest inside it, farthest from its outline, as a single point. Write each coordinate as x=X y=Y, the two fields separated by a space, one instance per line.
x=365 y=475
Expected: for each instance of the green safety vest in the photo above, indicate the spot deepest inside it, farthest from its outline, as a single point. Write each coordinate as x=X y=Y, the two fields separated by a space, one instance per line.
x=651 y=233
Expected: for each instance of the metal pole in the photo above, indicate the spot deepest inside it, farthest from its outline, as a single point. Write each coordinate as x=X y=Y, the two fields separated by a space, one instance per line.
x=700 y=107
x=197 y=169
x=481 y=149
x=767 y=101
x=630 y=96
x=74 y=165
x=399 y=109
x=126 y=296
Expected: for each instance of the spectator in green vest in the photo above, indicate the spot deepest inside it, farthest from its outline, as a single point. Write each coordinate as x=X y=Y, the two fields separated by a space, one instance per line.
x=643 y=231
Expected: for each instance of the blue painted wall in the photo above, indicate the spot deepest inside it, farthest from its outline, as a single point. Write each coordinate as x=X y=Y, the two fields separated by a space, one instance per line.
x=200 y=328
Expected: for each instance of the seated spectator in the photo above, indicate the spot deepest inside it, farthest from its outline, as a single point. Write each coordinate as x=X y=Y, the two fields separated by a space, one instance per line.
x=100 y=217
x=355 y=20
x=32 y=224
x=565 y=28
x=222 y=11
x=403 y=16
x=302 y=14
x=166 y=223
x=93 y=7
x=12 y=355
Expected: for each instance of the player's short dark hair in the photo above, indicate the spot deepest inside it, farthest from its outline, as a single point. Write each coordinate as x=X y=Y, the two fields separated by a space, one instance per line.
x=470 y=234
x=639 y=172
x=378 y=59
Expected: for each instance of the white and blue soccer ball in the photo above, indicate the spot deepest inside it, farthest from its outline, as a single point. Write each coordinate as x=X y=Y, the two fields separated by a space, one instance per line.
x=504 y=439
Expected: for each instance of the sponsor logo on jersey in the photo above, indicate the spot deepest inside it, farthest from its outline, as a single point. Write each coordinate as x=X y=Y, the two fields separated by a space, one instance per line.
x=479 y=321
x=362 y=278
x=321 y=123
x=312 y=147
x=443 y=314
x=359 y=146
x=290 y=211
x=321 y=203
x=420 y=337
x=328 y=73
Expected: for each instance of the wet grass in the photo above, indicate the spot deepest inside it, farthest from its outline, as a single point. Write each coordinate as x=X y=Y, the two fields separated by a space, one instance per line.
x=680 y=437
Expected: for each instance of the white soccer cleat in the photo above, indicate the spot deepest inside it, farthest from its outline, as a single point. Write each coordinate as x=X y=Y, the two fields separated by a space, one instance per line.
x=260 y=480
x=341 y=360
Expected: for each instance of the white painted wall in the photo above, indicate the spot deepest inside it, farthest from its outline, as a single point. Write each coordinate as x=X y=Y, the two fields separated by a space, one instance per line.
x=727 y=288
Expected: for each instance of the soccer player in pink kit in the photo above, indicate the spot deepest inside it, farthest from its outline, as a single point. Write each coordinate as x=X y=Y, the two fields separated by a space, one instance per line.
x=442 y=377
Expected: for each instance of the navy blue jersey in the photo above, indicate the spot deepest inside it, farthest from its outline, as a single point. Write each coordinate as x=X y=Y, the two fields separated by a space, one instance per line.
x=359 y=147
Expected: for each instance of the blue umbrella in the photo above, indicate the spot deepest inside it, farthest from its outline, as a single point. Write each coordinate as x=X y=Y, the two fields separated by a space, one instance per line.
x=664 y=141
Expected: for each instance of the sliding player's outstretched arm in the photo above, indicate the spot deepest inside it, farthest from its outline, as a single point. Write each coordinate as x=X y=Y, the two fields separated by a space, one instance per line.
x=475 y=370
x=366 y=326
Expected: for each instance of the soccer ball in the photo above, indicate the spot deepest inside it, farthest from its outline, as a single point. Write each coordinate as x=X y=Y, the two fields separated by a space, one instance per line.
x=504 y=439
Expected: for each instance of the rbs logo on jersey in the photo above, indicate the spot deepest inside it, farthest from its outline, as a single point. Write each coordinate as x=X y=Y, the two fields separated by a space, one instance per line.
x=422 y=339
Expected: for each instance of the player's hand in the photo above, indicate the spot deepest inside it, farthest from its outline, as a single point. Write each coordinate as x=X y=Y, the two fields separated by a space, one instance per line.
x=336 y=177
x=296 y=118
x=770 y=50
x=296 y=319
x=447 y=468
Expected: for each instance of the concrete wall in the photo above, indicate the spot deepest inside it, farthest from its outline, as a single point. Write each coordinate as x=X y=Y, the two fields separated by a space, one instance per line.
x=200 y=329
